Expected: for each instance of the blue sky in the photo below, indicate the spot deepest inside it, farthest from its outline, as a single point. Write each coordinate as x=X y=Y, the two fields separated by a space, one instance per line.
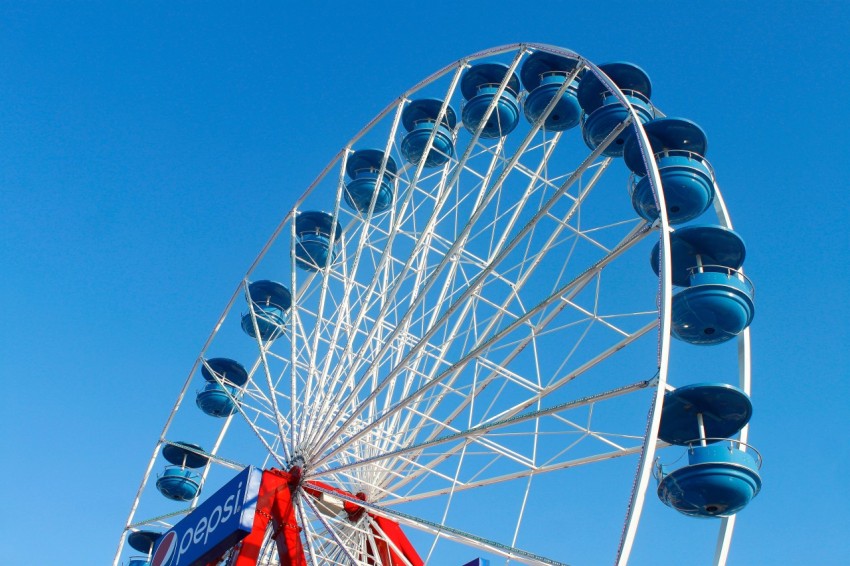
x=148 y=150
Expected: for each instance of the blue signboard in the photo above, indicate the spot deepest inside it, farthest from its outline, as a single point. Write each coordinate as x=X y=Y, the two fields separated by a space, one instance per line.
x=225 y=518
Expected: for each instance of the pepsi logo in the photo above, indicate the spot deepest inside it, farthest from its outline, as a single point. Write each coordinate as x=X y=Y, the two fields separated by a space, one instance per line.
x=218 y=523
x=165 y=550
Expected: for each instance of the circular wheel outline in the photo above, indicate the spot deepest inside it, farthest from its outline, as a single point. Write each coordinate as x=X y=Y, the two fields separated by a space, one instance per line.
x=665 y=293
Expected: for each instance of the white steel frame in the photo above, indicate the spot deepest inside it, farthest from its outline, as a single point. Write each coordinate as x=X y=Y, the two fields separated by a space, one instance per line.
x=416 y=367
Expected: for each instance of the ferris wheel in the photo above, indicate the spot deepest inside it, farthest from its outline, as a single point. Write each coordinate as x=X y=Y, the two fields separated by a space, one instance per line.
x=456 y=347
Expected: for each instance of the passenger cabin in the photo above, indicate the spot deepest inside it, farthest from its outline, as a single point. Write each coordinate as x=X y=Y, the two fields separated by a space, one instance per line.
x=604 y=112
x=268 y=303
x=480 y=85
x=371 y=179
x=721 y=476
x=224 y=380
x=314 y=231
x=715 y=302
x=543 y=75
x=180 y=481
x=421 y=119
x=144 y=542
x=687 y=179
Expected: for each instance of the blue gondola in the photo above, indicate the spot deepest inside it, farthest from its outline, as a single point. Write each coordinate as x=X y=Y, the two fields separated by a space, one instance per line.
x=216 y=399
x=543 y=74
x=269 y=302
x=420 y=119
x=313 y=230
x=679 y=147
x=363 y=167
x=721 y=476
x=603 y=111
x=142 y=541
x=479 y=86
x=716 y=303
x=180 y=481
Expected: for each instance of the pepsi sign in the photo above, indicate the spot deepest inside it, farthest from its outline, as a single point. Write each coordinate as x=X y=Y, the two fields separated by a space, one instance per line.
x=225 y=518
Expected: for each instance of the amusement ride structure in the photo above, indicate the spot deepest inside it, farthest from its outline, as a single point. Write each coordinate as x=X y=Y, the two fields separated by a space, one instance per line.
x=456 y=347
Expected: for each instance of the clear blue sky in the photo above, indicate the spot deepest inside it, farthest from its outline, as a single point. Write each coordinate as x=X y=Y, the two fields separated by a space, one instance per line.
x=147 y=151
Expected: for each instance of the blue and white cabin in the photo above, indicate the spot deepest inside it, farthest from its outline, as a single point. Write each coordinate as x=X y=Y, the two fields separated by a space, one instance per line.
x=721 y=476
x=180 y=481
x=603 y=111
x=543 y=74
x=419 y=118
x=687 y=179
x=217 y=399
x=313 y=230
x=479 y=86
x=144 y=542
x=268 y=303
x=367 y=182
x=715 y=303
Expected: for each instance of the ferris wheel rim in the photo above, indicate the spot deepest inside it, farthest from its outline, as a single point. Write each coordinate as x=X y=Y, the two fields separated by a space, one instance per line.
x=659 y=381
